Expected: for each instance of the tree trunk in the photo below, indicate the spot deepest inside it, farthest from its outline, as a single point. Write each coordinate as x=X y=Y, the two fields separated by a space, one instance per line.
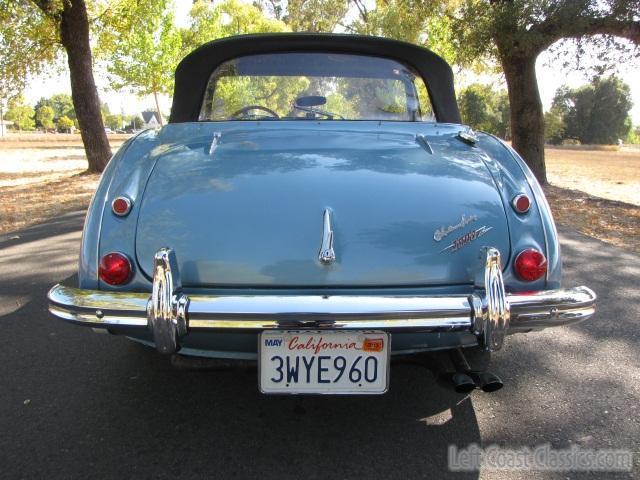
x=155 y=96
x=74 y=33
x=527 y=115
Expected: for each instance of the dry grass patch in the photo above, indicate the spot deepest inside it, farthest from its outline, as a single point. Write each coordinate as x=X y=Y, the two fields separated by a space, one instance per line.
x=36 y=184
x=614 y=175
x=52 y=140
x=608 y=220
x=43 y=176
x=33 y=202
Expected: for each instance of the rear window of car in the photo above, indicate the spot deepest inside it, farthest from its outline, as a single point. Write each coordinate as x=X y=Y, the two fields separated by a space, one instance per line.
x=315 y=86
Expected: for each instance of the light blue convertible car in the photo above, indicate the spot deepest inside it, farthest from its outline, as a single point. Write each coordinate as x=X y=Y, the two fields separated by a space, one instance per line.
x=315 y=205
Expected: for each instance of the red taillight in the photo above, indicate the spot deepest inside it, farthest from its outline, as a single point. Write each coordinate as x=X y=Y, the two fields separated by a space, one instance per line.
x=121 y=206
x=530 y=265
x=114 y=268
x=521 y=203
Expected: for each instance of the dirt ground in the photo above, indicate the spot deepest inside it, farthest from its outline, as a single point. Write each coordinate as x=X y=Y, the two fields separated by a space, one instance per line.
x=597 y=192
x=42 y=176
x=613 y=222
x=614 y=175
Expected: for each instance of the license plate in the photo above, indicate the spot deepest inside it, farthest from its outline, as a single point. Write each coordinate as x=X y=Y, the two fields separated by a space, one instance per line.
x=325 y=362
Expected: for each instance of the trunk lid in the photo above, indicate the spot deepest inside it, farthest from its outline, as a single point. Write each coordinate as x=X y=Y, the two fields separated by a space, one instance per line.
x=251 y=212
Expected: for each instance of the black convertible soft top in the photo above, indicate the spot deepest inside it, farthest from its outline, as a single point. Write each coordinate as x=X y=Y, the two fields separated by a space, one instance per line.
x=194 y=71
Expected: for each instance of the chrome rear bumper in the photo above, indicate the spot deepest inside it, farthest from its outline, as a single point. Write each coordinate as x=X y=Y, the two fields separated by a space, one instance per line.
x=489 y=312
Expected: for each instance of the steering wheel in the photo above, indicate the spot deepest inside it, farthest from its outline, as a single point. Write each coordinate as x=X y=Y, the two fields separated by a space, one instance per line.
x=244 y=110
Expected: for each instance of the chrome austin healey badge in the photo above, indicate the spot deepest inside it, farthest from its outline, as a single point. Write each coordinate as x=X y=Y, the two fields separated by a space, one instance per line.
x=443 y=231
x=327 y=255
x=465 y=239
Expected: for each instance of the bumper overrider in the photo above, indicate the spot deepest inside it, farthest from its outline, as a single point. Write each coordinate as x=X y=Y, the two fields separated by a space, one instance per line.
x=489 y=312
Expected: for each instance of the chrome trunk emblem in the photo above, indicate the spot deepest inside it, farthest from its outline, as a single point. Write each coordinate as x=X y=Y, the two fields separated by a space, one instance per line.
x=327 y=255
x=443 y=231
x=465 y=239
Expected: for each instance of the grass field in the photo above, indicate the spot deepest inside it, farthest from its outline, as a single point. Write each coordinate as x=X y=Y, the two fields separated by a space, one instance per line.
x=593 y=190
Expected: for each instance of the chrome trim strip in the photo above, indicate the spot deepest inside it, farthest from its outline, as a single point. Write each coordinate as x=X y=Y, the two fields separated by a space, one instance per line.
x=327 y=255
x=215 y=141
x=424 y=143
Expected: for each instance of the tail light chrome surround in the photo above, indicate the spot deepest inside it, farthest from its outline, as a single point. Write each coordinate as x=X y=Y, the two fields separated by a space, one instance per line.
x=521 y=203
x=121 y=206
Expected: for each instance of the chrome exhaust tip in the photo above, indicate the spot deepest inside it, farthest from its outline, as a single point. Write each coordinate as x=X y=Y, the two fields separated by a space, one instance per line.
x=463 y=383
x=488 y=382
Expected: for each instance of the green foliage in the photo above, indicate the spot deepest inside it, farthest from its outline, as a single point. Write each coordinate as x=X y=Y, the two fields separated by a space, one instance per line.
x=423 y=22
x=633 y=137
x=610 y=110
x=205 y=25
x=65 y=124
x=44 y=115
x=337 y=103
x=369 y=98
x=61 y=103
x=474 y=105
x=144 y=58
x=484 y=109
x=28 y=42
x=113 y=121
x=276 y=93
x=240 y=18
x=347 y=97
x=231 y=17
x=104 y=111
x=554 y=126
x=20 y=113
x=597 y=113
x=315 y=15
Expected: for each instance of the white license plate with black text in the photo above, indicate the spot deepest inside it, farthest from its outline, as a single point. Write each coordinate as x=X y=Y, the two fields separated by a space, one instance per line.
x=325 y=362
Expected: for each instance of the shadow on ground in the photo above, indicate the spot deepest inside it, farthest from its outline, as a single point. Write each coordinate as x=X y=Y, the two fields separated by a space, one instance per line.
x=87 y=405
x=80 y=404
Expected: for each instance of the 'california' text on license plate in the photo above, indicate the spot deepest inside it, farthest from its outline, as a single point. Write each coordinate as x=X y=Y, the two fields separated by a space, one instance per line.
x=328 y=362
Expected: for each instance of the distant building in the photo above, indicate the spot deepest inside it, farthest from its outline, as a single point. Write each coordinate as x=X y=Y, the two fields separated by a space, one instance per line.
x=150 y=119
x=3 y=126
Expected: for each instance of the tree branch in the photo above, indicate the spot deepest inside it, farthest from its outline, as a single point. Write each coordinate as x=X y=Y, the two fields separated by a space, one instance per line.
x=47 y=7
x=362 y=9
x=554 y=29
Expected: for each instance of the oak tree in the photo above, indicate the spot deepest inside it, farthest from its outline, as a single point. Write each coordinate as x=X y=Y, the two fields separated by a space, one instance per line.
x=597 y=113
x=515 y=32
